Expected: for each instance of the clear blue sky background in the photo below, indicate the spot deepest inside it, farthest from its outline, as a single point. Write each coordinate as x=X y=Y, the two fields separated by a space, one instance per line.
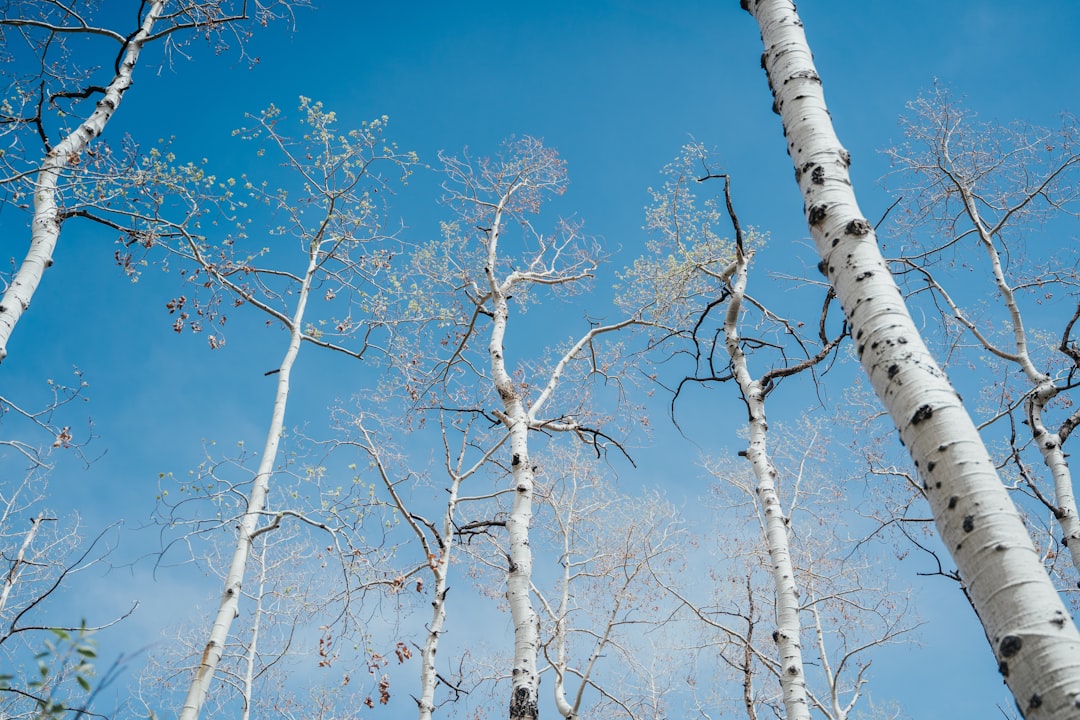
x=617 y=87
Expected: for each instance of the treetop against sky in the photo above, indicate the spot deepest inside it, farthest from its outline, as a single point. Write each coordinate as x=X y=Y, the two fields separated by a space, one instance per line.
x=240 y=151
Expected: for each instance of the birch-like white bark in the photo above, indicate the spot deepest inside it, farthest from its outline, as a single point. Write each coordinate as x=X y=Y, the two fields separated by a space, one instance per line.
x=791 y=671
x=13 y=572
x=561 y=663
x=440 y=570
x=247 y=529
x=561 y=615
x=438 y=559
x=1043 y=388
x=836 y=709
x=45 y=225
x=253 y=648
x=525 y=679
x=537 y=172
x=1034 y=639
x=1042 y=391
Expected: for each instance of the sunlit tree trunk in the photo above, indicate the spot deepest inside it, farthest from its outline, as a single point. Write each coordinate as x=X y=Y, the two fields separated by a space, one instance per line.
x=45 y=226
x=494 y=196
x=12 y=575
x=986 y=183
x=248 y=527
x=251 y=657
x=525 y=678
x=1035 y=641
x=792 y=673
x=438 y=550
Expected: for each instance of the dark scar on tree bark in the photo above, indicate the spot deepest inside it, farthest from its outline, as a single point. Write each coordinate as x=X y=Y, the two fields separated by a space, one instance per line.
x=925 y=412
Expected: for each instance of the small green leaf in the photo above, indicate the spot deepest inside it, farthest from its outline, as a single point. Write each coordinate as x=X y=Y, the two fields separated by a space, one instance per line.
x=83 y=682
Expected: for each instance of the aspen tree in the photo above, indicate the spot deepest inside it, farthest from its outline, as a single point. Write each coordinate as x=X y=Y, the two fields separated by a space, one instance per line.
x=57 y=33
x=1034 y=640
x=996 y=184
x=334 y=227
x=488 y=276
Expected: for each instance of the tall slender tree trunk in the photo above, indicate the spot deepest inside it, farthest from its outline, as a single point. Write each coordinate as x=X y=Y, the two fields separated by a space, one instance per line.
x=525 y=678
x=17 y=564
x=788 y=642
x=1043 y=390
x=45 y=225
x=1033 y=638
x=249 y=521
x=440 y=570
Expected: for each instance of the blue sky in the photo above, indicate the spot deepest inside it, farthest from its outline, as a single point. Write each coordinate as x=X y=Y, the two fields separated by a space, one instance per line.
x=617 y=88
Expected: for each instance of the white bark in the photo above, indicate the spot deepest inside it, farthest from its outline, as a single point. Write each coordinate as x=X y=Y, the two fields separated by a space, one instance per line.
x=577 y=566
x=1043 y=388
x=440 y=568
x=247 y=529
x=516 y=186
x=1042 y=391
x=45 y=225
x=20 y=559
x=525 y=679
x=791 y=670
x=252 y=656
x=437 y=559
x=1032 y=635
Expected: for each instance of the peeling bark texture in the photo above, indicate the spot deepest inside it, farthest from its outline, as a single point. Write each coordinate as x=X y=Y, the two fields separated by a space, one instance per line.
x=228 y=609
x=45 y=225
x=1021 y=612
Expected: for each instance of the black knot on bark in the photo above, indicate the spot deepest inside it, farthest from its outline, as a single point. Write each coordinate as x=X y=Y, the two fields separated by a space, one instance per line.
x=523 y=705
x=859 y=227
x=817 y=214
x=1010 y=645
x=925 y=412
x=969 y=523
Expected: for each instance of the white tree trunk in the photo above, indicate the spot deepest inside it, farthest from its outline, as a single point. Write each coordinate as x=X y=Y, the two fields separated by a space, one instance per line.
x=252 y=656
x=440 y=569
x=20 y=559
x=247 y=529
x=525 y=679
x=45 y=226
x=1043 y=389
x=792 y=673
x=1036 y=643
